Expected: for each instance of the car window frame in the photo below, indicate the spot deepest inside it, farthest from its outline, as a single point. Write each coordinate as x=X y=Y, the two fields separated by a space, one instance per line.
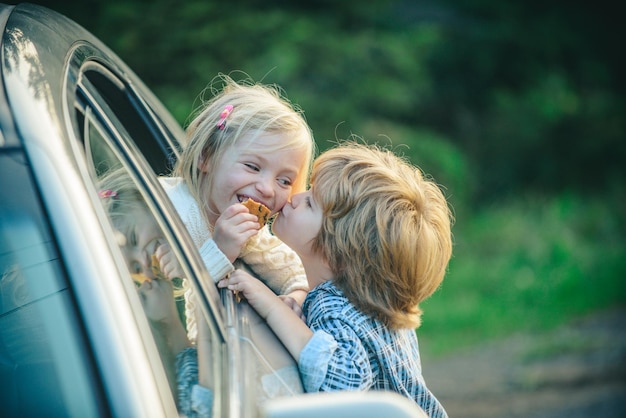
x=241 y=353
x=128 y=153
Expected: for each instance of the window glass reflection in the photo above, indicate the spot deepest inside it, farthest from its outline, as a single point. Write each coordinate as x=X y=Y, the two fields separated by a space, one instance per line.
x=153 y=266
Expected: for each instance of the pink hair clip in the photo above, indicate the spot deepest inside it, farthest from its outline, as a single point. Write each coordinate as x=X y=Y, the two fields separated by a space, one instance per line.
x=222 y=122
x=107 y=193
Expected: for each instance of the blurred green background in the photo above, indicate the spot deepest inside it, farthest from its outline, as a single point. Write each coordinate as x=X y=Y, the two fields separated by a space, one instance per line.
x=517 y=107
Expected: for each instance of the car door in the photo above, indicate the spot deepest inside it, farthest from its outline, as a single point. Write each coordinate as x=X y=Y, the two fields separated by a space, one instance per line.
x=71 y=113
x=75 y=338
x=112 y=148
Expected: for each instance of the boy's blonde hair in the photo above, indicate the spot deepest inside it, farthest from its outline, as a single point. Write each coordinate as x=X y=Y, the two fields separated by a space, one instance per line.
x=256 y=109
x=386 y=230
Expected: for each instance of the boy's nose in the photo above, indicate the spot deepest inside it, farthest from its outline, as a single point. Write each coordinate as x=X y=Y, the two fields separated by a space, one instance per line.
x=296 y=199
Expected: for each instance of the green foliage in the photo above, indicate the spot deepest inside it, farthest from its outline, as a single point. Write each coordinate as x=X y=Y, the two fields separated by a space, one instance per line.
x=530 y=92
x=528 y=265
x=501 y=102
x=519 y=83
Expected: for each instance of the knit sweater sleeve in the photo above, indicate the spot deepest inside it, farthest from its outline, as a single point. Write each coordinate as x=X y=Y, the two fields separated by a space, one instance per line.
x=277 y=265
x=190 y=213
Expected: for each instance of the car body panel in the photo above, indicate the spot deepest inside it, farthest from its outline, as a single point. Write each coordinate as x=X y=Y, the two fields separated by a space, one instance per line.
x=33 y=88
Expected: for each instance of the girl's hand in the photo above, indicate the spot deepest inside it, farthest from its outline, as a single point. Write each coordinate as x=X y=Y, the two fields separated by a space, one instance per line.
x=259 y=296
x=168 y=262
x=235 y=226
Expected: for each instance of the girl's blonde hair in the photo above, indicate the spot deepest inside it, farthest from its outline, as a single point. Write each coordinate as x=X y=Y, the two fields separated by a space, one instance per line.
x=120 y=196
x=256 y=109
x=386 y=230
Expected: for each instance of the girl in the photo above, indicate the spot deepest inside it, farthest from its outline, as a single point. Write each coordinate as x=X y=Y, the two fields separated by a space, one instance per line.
x=247 y=142
x=375 y=239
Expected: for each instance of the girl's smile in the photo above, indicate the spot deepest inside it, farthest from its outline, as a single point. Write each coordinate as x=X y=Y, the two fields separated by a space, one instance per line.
x=257 y=168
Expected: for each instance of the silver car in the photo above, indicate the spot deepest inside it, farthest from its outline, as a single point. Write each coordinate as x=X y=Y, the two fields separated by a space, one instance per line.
x=76 y=338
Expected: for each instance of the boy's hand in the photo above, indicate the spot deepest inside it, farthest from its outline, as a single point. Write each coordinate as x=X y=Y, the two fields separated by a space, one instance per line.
x=233 y=229
x=293 y=305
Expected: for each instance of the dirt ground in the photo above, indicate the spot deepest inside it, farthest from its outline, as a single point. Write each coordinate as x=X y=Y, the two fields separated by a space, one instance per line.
x=576 y=371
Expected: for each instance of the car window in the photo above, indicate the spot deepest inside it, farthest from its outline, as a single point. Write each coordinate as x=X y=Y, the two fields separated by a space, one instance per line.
x=45 y=369
x=150 y=252
x=147 y=131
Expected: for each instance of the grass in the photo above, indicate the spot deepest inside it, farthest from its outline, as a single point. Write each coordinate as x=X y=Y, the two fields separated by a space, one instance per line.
x=528 y=265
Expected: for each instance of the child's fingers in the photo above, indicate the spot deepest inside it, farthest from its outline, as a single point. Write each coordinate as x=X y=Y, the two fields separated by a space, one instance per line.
x=168 y=269
x=237 y=276
x=232 y=285
x=238 y=211
x=161 y=252
x=168 y=263
x=227 y=282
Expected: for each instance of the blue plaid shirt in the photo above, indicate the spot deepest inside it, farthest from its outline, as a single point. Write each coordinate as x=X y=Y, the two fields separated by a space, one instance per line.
x=353 y=351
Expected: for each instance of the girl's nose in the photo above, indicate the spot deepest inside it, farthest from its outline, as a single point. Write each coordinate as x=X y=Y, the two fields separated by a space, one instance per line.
x=265 y=186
